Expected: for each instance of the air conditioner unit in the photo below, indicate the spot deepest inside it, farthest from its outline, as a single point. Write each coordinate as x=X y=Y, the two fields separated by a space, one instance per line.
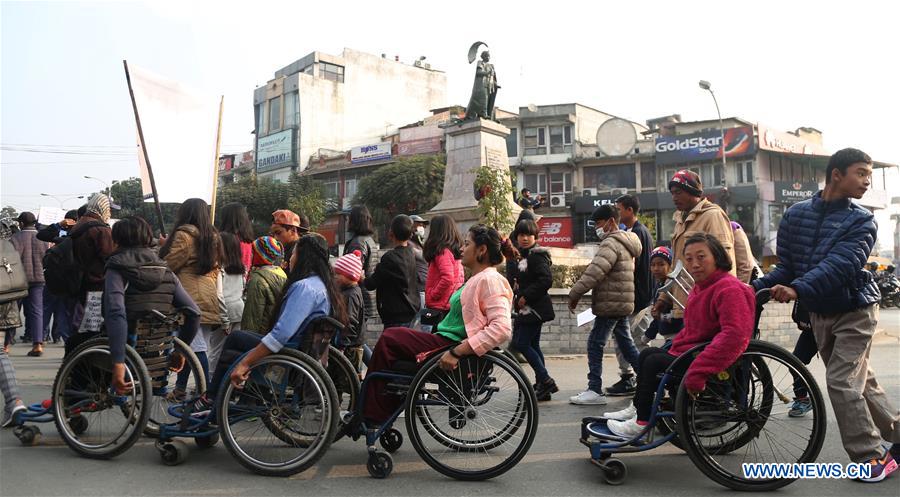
x=558 y=200
x=589 y=192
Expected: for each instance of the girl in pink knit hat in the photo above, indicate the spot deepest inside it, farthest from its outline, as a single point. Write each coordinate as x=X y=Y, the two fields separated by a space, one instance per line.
x=347 y=272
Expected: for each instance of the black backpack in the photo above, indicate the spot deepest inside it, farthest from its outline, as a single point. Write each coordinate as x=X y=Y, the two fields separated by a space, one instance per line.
x=63 y=272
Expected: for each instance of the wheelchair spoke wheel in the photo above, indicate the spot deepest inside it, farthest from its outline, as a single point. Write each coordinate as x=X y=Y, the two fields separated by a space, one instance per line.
x=475 y=422
x=283 y=419
x=742 y=418
x=92 y=419
x=346 y=382
x=166 y=394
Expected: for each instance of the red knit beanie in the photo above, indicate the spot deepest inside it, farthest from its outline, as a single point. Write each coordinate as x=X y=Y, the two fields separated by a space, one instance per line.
x=350 y=265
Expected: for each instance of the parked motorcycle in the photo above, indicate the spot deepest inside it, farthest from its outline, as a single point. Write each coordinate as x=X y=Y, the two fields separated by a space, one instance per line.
x=889 y=286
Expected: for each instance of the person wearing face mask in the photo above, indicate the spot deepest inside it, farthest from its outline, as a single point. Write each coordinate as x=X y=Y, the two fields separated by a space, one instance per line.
x=417 y=242
x=610 y=279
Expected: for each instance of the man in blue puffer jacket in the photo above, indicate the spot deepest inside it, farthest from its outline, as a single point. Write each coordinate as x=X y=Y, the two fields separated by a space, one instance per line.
x=823 y=245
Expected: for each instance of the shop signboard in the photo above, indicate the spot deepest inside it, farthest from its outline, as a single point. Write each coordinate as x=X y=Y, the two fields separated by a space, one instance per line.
x=705 y=145
x=368 y=153
x=791 y=192
x=555 y=232
x=275 y=150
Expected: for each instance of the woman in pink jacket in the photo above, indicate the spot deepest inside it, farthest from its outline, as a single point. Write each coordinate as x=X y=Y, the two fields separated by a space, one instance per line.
x=478 y=320
x=720 y=310
x=445 y=270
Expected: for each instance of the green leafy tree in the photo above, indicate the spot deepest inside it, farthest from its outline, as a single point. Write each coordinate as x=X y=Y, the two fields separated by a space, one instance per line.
x=128 y=195
x=494 y=188
x=650 y=222
x=410 y=185
x=262 y=197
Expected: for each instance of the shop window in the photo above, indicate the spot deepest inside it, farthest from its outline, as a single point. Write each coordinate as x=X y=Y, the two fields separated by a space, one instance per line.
x=512 y=143
x=537 y=183
x=744 y=172
x=605 y=178
x=275 y=114
x=535 y=141
x=560 y=182
x=648 y=176
x=561 y=139
x=261 y=128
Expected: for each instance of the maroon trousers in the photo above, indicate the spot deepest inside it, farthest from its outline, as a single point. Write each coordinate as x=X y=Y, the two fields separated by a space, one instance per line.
x=395 y=344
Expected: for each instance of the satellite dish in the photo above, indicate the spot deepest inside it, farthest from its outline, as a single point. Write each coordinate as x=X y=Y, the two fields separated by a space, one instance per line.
x=473 y=50
x=616 y=137
x=532 y=108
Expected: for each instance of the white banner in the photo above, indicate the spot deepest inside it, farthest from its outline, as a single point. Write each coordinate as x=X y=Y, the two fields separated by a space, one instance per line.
x=180 y=135
x=50 y=215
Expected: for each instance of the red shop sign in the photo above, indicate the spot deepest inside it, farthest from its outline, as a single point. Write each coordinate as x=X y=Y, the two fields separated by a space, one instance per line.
x=555 y=232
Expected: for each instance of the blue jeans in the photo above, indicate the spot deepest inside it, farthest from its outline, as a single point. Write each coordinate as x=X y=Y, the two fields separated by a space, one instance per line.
x=34 y=313
x=597 y=341
x=526 y=338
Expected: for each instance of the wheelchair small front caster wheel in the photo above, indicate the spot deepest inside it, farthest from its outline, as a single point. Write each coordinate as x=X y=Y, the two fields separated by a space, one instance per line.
x=79 y=424
x=391 y=440
x=28 y=435
x=614 y=471
x=207 y=442
x=380 y=465
x=173 y=453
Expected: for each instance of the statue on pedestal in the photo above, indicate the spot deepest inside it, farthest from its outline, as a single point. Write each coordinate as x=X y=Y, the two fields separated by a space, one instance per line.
x=484 y=89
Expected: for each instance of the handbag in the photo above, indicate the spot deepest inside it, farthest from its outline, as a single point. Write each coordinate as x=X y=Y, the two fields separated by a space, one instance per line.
x=13 y=282
x=431 y=317
x=800 y=316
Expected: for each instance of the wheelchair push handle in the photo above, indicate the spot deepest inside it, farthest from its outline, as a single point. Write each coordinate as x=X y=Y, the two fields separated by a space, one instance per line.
x=763 y=297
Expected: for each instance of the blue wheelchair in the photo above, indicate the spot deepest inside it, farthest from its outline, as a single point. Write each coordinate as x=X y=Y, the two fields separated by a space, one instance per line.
x=94 y=420
x=740 y=418
x=280 y=422
x=474 y=423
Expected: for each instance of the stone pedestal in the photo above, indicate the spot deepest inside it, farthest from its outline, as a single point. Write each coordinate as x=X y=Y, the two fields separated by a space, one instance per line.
x=470 y=145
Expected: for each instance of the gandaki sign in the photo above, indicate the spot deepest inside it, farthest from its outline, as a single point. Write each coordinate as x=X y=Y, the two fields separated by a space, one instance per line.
x=275 y=150
x=706 y=145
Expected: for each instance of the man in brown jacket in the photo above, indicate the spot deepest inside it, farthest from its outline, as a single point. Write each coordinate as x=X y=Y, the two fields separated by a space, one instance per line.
x=610 y=278
x=695 y=214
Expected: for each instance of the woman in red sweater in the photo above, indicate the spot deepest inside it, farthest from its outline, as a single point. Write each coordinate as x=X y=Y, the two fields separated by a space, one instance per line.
x=720 y=310
x=442 y=251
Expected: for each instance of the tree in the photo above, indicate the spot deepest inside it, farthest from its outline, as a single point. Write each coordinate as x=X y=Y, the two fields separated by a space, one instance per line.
x=8 y=211
x=650 y=222
x=408 y=186
x=493 y=188
x=300 y=194
x=128 y=195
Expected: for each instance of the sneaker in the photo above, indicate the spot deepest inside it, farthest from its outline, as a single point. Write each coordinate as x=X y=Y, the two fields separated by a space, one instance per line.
x=800 y=407
x=201 y=406
x=895 y=452
x=11 y=418
x=625 y=429
x=881 y=468
x=623 y=387
x=623 y=415
x=588 y=398
x=547 y=386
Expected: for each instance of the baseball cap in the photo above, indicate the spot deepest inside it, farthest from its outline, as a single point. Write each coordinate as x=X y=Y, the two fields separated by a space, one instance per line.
x=286 y=217
x=418 y=219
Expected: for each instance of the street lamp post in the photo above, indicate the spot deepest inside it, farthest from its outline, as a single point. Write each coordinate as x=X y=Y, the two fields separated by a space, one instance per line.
x=108 y=194
x=706 y=86
x=61 y=202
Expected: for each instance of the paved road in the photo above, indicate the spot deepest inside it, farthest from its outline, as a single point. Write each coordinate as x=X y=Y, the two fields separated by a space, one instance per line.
x=556 y=465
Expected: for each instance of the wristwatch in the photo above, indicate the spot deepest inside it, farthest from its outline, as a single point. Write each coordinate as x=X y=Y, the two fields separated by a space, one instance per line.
x=452 y=351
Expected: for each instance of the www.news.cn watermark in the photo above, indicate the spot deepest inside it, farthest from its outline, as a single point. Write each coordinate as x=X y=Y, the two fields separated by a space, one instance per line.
x=768 y=471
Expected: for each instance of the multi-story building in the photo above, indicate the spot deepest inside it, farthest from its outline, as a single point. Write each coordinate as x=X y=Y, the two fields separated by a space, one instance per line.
x=333 y=102
x=233 y=167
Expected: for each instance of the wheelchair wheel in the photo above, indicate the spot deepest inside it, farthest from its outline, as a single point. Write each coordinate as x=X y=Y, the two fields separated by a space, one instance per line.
x=92 y=419
x=165 y=395
x=283 y=419
x=346 y=382
x=473 y=423
x=742 y=418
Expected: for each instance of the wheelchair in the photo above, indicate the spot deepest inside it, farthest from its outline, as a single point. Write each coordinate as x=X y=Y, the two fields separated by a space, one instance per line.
x=280 y=422
x=473 y=423
x=741 y=417
x=94 y=420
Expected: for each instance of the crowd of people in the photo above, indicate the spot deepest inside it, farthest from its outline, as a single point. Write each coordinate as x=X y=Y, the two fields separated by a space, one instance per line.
x=244 y=296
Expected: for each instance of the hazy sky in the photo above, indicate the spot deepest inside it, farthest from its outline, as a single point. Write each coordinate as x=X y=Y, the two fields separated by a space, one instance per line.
x=787 y=64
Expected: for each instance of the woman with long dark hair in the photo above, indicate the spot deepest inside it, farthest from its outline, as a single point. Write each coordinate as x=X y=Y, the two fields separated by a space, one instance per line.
x=194 y=253
x=233 y=281
x=233 y=219
x=359 y=224
x=310 y=292
x=442 y=251
x=478 y=321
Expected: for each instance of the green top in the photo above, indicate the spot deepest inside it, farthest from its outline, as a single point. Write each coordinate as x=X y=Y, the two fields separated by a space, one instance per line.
x=452 y=326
